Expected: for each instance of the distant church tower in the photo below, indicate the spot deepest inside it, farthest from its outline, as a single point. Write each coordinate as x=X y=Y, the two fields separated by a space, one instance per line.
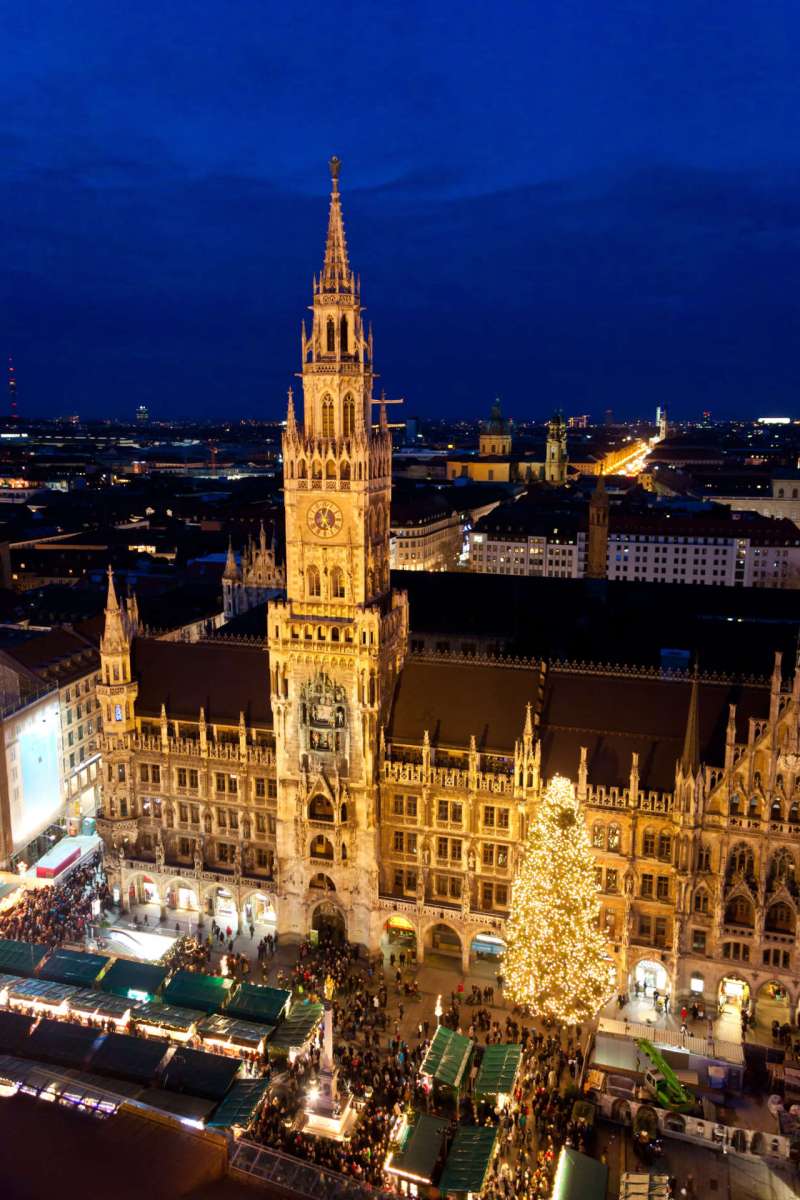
x=495 y=435
x=597 y=558
x=256 y=581
x=338 y=640
x=555 y=464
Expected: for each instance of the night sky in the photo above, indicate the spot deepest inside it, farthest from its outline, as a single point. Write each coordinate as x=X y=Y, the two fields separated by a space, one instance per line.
x=577 y=203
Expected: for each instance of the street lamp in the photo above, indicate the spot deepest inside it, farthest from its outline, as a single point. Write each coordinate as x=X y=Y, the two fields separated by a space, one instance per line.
x=438 y=1009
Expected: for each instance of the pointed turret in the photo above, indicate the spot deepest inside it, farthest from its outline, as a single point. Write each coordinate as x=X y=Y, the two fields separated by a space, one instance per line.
x=336 y=274
x=690 y=759
x=231 y=570
x=115 y=638
x=112 y=603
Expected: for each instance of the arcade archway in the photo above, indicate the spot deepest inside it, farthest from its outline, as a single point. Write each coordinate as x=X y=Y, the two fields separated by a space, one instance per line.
x=772 y=1003
x=444 y=940
x=328 y=923
x=259 y=909
x=221 y=905
x=180 y=895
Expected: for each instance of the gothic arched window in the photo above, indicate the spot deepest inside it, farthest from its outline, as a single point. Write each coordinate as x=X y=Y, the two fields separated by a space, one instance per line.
x=330 y=469
x=701 y=901
x=599 y=837
x=343 y=335
x=312 y=581
x=349 y=416
x=344 y=469
x=613 y=837
x=337 y=583
x=301 y=469
x=331 y=342
x=327 y=417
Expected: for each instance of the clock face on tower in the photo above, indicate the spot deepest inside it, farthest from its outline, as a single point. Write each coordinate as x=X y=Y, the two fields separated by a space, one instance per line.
x=324 y=518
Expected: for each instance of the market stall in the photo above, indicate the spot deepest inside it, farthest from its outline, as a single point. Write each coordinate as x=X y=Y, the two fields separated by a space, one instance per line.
x=414 y=1149
x=40 y=996
x=238 y=1109
x=76 y=967
x=226 y=1035
x=20 y=958
x=135 y=1059
x=252 y=1002
x=204 y=993
x=469 y=1161
x=88 y=1005
x=447 y=1058
x=134 y=980
x=195 y=1073
x=166 y=1021
x=579 y=1177
x=295 y=1034
x=498 y=1073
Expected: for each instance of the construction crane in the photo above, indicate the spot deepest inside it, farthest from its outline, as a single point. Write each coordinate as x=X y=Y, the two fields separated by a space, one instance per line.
x=662 y=1081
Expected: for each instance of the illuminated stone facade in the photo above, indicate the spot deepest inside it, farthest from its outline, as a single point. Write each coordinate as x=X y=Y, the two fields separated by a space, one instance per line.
x=376 y=789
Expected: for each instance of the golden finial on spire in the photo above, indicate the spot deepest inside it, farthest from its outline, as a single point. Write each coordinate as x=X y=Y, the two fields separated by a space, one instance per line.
x=335 y=164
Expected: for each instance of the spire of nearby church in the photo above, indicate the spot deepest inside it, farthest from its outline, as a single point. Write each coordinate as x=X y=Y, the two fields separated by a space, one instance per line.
x=690 y=759
x=112 y=603
x=291 y=419
x=336 y=274
x=115 y=639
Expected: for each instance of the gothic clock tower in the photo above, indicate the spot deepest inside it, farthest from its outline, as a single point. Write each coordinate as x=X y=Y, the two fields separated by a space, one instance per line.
x=337 y=642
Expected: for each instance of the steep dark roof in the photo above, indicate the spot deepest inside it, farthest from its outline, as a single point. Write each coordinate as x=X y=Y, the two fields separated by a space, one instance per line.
x=221 y=677
x=454 y=700
x=56 y=656
x=614 y=716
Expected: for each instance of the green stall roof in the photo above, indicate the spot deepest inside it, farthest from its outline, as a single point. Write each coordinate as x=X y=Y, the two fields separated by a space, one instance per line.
x=195 y=1073
x=240 y=1105
x=579 y=1177
x=189 y=989
x=62 y=1043
x=42 y=990
x=125 y=976
x=469 y=1160
x=498 y=1070
x=298 y=1027
x=7 y=980
x=20 y=958
x=73 y=966
x=419 y=1147
x=447 y=1057
x=247 y=1034
x=252 y=1002
x=166 y=1016
x=122 y=1056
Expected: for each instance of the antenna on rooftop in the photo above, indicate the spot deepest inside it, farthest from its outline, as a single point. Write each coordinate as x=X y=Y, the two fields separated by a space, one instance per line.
x=12 y=390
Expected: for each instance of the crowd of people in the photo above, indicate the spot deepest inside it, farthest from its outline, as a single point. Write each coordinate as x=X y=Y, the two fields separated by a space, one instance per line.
x=60 y=912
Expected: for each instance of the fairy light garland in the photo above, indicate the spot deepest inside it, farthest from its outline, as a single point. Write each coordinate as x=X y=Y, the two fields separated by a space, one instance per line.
x=557 y=963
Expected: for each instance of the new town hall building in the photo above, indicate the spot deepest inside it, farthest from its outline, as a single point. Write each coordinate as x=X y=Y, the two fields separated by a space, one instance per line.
x=328 y=777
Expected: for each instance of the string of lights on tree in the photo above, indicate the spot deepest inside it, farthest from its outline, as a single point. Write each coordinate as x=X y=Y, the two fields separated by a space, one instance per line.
x=557 y=963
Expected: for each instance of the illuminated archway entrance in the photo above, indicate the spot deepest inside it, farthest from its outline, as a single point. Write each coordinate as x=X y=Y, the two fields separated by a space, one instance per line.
x=487 y=947
x=734 y=994
x=399 y=938
x=444 y=940
x=221 y=904
x=649 y=977
x=259 y=910
x=772 y=1003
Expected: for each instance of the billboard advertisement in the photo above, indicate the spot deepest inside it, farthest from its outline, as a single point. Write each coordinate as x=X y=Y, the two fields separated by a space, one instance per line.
x=32 y=770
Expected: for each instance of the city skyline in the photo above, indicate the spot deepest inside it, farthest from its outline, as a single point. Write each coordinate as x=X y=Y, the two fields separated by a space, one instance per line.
x=605 y=218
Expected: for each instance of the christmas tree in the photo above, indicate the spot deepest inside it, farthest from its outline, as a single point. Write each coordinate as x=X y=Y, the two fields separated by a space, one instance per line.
x=557 y=963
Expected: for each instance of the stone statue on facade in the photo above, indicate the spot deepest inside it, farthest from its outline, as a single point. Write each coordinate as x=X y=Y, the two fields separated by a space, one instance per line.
x=198 y=855
x=159 y=853
x=237 y=861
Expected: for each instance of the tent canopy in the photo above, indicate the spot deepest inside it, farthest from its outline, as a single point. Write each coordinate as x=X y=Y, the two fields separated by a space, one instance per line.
x=498 y=1070
x=73 y=966
x=252 y=1002
x=98 y=1005
x=469 y=1160
x=124 y=977
x=41 y=990
x=15 y=1030
x=20 y=958
x=579 y=1177
x=206 y=993
x=447 y=1057
x=240 y=1105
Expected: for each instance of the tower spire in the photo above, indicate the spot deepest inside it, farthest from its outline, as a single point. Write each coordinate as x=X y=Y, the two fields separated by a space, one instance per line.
x=336 y=275
x=690 y=759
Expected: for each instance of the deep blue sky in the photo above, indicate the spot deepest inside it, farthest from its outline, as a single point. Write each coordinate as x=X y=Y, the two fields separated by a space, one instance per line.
x=586 y=203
